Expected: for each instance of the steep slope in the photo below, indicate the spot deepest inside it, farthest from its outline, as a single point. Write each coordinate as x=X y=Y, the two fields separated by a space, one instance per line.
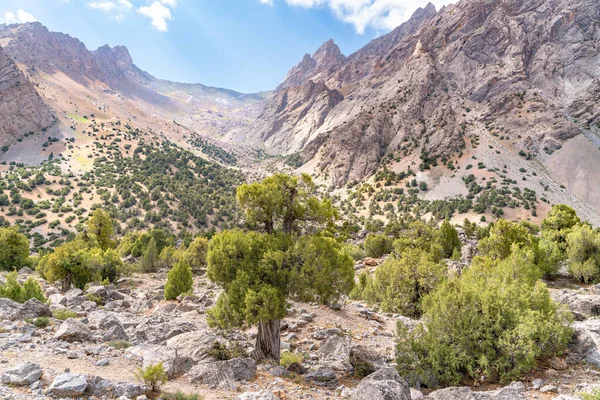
x=525 y=71
x=21 y=108
x=208 y=110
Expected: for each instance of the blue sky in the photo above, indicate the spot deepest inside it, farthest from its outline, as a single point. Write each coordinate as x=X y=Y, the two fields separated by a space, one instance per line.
x=245 y=45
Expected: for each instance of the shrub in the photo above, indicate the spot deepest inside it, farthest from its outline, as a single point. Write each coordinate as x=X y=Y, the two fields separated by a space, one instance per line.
x=377 y=245
x=21 y=293
x=179 y=280
x=153 y=376
x=363 y=369
x=447 y=238
x=354 y=251
x=399 y=284
x=593 y=395
x=63 y=314
x=150 y=259
x=583 y=250
x=41 y=322
x=14 y=249
x=288 y=358
x=496 y=319
x=119 y=344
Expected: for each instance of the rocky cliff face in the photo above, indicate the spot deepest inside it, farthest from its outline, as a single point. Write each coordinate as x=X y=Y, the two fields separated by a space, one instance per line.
x=526 y=67
x=21 y=108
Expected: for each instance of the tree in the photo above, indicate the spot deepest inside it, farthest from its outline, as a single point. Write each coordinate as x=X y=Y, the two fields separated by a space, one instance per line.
x=14 y=249
x=150 y=259
x=377 y=245
x=260 y=270
x=100 y=226
x=281 y=201
x=583 y=251
x=179 y=280
x=496 y=319
x=196 y=253
x=447 y=238
x=70 y=263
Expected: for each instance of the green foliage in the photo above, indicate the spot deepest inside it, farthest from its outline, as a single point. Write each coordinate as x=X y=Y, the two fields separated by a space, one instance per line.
x=583 y=251
x=150 y=260
x=14 y=249
x=496 y=319
x=592 y=395
x=119 y=344
x=400 y=284
x=100 y=227
x=71 y=263
x=558 y=224
x=179 y=280
x=447 y=238
x=153 y=376
x=288 y=358
x=258 y=271
x=196 y=253
x=112 y=266
x=21 y=293
x=377 y=245
x=282 y=202
x=41 y=322
x=63 y=314
x=353 y=251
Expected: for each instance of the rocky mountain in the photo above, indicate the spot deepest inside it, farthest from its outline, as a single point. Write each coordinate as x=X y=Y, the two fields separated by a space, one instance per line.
x=21 y=108
x=522 y=71
x=112 y=69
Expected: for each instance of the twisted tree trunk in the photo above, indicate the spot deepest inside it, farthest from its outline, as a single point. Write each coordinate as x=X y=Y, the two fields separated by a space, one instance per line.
x=267 y=341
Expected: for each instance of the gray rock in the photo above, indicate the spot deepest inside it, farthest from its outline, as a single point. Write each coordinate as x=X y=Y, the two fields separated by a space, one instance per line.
x=537 y=384
x=172 y=363
x=384 y=384
x=243 y=369
x=57 y=299
x=116 y=332
x=7 y=308
x=68 y=385
x=32 y=308
x=72 y=330
x=102 y=363
x=512 y=392
x=194 y=346
x=324 y=377
x=327 y=333
x=216 y=375
x=586 y=342
x=22 y=375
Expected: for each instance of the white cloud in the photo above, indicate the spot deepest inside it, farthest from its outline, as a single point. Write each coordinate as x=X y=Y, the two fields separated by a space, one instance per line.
x=170 y=3
x=158 y=13
x=21 y=17
x=381 y=15
x=126 y=4
x=104 y=6
x=269 y=2
x=119 y=17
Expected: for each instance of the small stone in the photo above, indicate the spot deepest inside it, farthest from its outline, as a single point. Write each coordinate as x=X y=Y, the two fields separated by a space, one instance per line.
x=537 y=384
x=549 y=389
x=102 y=363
